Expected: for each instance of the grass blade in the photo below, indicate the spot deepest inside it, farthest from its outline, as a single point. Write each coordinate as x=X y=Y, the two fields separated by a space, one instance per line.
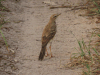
x=3 y=35
x=95 y=51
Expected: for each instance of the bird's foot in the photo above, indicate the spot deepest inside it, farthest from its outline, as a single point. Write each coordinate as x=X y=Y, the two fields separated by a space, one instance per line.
x=52 y=56
x=46 y=55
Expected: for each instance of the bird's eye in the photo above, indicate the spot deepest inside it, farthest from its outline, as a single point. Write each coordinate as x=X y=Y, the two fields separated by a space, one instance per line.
x=55 y=16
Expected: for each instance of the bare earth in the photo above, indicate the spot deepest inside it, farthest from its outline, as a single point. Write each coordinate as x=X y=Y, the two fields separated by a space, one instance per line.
x=35 y=15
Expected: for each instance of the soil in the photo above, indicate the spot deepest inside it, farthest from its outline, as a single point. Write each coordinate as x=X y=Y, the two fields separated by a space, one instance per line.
x=28 y=19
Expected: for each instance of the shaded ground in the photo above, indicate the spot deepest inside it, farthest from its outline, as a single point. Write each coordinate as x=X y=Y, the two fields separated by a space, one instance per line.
x=31 y=17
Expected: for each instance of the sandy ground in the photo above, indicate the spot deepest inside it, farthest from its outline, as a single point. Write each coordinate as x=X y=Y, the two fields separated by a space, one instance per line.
x=35 y=15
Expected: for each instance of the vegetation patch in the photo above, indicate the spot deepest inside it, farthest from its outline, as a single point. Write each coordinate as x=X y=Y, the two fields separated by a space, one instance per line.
x=3 y=8
x=7 y=55
x=89 y=56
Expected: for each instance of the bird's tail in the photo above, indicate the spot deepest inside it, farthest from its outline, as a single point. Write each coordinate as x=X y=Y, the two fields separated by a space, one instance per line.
x=42 y=53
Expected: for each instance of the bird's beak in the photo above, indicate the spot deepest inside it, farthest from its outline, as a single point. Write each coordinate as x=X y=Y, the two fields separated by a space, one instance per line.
x=59 y=14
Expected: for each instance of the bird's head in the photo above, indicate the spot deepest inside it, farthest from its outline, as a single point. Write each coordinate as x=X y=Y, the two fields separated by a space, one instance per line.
x=54 y=16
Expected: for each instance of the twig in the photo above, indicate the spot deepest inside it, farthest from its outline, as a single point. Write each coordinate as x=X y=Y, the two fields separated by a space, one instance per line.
x=53 y=7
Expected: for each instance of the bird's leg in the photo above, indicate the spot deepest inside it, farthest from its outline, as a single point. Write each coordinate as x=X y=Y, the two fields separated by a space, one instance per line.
x=47 y=53
x=50 y=50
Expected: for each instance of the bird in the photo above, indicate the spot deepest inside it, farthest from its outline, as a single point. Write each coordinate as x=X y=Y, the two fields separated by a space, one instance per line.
x=47 y=35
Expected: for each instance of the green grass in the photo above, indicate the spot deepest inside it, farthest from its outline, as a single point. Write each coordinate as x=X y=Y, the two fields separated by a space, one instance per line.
x=89 y=72
x=86 y=53
x=3 y=8
x=95 y=8
x=3 y=22
x=88 y=57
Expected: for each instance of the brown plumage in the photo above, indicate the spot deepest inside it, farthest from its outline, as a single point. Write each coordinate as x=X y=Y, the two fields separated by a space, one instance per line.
x=48 y=34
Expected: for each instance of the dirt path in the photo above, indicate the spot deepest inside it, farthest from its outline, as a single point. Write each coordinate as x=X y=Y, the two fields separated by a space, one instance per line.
x=36 y=15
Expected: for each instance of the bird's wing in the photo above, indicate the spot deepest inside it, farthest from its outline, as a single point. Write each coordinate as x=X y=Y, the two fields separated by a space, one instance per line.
x=47 y=36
